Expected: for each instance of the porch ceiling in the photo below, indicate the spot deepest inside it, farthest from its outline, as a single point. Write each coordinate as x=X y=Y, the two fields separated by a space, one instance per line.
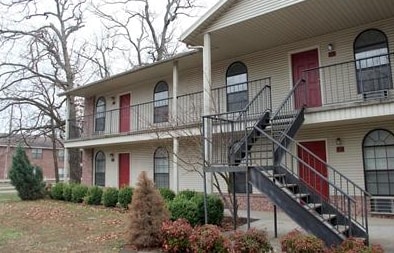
x=297 y=22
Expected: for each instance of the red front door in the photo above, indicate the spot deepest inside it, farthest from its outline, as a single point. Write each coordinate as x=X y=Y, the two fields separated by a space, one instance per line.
x=124 y=114
x=124 y=170
x=311 y=95
x=309 y=176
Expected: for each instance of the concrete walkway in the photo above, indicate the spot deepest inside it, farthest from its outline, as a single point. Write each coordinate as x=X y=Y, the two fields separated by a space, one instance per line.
x=381 y=230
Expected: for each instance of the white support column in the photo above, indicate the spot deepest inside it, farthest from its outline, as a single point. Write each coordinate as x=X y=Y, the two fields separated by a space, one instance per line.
x=207 y=96
x=66 y=166
x=175 y=145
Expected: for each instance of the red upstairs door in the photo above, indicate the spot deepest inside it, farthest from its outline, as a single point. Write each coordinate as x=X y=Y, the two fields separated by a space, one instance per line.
x=301 y=62
x=307 y=174
x=124 y=170
x=124 y=113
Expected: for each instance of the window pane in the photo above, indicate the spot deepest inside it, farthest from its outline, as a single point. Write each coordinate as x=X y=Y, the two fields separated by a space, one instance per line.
x=100 y=169
x=161 y=168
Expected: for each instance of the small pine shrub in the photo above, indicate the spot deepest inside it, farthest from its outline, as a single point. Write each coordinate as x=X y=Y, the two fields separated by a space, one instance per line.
x=26 y=178
x=57 y=191
x=167 y=194
x=297 y=242
x=354 y=245
x=78 y=193
x=184 y=208
x=147 y=214
x=125 y=195
x=110 y=197
x=251 y=241
x=175 y=236
x=187 y=194
x=93 y=196
x=67 y=191
x=208 y=238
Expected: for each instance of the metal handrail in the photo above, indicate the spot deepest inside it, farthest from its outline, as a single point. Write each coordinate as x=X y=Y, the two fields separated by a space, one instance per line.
x=291 y=93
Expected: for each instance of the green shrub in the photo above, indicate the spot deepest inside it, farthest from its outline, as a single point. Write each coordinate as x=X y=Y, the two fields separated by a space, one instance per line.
x=187 y=194
x=184 y=208
x=78 y=193
x=110 y=197
x=167 y=194
x=125 y=196
x=215 y=209
x=26 y=178
x=175 y=236
x=252 y=240
x=93 y=197
x=67 y=191
x=297 y=242
x=208 y=238
x=57 y=191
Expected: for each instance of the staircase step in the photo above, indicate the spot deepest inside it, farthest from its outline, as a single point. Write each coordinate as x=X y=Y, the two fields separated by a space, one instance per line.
x=301 y=195
x=313 y=206
x=328 y=216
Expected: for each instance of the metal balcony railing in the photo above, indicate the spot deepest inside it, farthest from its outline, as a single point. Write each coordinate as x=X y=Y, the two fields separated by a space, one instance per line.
x=352 y=81
x=158 y=115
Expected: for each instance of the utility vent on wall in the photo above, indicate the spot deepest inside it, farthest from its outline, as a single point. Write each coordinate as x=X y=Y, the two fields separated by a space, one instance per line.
x=375 y=94
x=382 y=205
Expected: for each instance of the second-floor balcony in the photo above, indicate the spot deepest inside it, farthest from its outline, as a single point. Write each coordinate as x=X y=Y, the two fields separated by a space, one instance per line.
x=345 y=84
x=163 y=115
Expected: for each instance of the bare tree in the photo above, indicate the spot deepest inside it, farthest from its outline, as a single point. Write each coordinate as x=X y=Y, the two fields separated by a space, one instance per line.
x=140 y=29
x=39 y=46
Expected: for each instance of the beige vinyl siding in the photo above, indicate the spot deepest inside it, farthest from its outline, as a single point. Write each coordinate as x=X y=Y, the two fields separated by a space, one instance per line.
x=275 y=63
x=247 y=9
x=350 y=162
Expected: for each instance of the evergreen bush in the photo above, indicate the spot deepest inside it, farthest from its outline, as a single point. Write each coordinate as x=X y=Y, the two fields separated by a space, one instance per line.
x=147 y=214
x=67 y=191
x=57 y=191
x=78 y=193
x=93 y=196
x=110 y=197
x=215 y=208
x=187 y=194
x=181 y=207
x=124 y=196
x=26 y=178
x=167 y=194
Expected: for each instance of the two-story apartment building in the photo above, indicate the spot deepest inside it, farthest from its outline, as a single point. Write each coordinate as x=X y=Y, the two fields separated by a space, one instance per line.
x=318 y=71
x=38 y=150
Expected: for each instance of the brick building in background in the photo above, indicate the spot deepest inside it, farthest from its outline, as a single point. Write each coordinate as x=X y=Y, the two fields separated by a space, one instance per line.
x=39 y=152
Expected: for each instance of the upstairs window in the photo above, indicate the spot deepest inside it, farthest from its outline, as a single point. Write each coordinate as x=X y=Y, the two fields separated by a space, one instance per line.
x=160 y=103
x=161 y=168
x=99 y=116
x=372 y=62
x=99 y=173
x=36 y=153
x=237 y=87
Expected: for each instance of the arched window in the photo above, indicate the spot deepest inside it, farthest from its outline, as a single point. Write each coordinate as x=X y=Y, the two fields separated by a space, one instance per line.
x=378 y=153
x=372 y=62
x=160 y=98
x=99 y=116
x=237 y=86
x=161 y=168
x=99 y=172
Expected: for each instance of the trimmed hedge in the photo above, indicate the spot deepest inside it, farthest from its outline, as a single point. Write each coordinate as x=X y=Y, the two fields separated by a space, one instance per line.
x=67 y=191
x=94 y=195
x=187 y=194
x=57 y=191
x=167 y=194
x=110 y=197
x=215 y=208
x=184 y=208
x=78 y=193
x=125 y=196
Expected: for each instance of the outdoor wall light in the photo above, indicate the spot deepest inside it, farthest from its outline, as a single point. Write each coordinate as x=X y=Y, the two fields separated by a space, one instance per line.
x=113 y=100
x=330 y=47
x=338 y=141
x=112 y=157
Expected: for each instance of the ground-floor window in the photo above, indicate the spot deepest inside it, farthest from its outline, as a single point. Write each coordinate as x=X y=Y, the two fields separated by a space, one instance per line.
x=161 y=168
x=378 y=153
x=99 y=172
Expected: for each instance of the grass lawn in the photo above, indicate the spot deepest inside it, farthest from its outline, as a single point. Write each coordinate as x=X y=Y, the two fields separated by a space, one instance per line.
x=55 y=226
